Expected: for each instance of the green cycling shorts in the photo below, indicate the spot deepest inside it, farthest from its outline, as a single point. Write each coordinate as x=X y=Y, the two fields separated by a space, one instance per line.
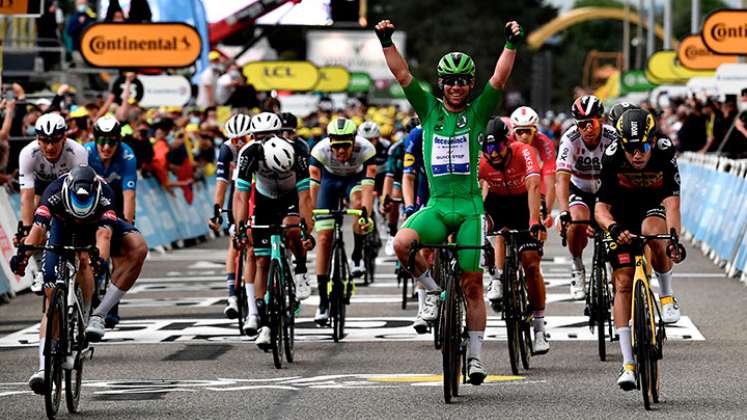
x=445 y=215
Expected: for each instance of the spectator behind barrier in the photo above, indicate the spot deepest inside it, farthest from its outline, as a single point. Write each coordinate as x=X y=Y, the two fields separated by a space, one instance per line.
x=76 y=25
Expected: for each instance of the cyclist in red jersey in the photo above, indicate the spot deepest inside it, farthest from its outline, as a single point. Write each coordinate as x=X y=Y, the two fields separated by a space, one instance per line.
x=524 y=128
x=510 y=178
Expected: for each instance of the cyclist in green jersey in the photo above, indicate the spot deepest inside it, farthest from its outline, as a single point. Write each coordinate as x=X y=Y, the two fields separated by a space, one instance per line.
x=452 y=130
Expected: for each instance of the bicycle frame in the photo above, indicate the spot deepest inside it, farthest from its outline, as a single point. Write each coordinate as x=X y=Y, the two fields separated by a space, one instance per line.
x=642 y=275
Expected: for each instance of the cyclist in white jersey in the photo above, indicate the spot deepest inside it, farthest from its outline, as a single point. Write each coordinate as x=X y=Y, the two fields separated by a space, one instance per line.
x=579 y=165
x=44 y=160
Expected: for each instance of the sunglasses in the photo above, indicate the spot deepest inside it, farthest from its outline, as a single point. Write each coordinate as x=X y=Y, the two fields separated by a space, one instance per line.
x=585 y=124
x=457 y=81
x=631 y=148
x=524 y=131
x=341 y=146
x=497 y=148
x=51 y=140
x=105 y=141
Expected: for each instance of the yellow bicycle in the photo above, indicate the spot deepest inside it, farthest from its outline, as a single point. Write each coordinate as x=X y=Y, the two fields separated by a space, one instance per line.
x=648 y=332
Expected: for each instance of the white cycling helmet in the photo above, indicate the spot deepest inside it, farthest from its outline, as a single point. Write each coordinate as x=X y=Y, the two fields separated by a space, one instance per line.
x=369 y=130
x=265 y=122
x=50 y=125
x=524 y=117
x=279 y=154
x=237 y=126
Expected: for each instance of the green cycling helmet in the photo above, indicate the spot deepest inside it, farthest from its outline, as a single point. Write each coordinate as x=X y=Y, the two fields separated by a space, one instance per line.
x=341 y=127
x=455 y=63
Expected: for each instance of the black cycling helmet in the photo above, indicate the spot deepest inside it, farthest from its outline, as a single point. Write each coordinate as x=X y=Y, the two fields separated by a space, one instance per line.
x=496 y=133
x=81 y=192
x=636 y=128
x=289 y=121
x=107 y=126
x=587 y=107
x=617 y=110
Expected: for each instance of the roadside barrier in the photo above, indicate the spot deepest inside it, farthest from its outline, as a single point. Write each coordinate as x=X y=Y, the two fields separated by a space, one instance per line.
x=714 y=208
x=165 y=220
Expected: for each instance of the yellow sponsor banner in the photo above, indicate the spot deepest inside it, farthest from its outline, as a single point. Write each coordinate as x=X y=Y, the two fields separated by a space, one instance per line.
x=333 y=79
x=662 y=65
x=282 y=75
x=694 y=55
x=121 y=45
x=725 y=31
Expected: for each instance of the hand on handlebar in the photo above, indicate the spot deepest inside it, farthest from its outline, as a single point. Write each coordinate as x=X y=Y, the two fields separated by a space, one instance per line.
x=240 y=238
x=538 y=231
x=620 y=234
x=18 y=263
x=217 y=220
x=675 y=250
x=562 y=221
x=21 y=234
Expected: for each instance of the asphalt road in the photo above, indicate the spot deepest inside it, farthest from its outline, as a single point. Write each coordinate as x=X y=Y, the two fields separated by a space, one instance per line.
x=175 y=356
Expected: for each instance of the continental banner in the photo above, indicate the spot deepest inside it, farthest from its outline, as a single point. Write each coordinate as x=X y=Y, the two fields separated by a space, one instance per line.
x=122 y=45
x=694 y=55
x=297 y=76
x=725 y=31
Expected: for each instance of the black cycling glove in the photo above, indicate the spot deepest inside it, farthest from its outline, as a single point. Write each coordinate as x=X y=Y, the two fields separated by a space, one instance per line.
x=385 y=36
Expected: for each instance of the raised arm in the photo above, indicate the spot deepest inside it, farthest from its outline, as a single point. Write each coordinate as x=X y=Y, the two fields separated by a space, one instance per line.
x=394 y=60
x=514 y=36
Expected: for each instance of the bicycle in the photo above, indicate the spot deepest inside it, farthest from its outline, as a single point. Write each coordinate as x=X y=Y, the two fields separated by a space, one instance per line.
x=452 y=313
x=341 y=281
x=371 y=247
x=280 y=297
x=599 y=298
x=404 y=279
x=67 y=322
x=648 y=335
x=516 y=313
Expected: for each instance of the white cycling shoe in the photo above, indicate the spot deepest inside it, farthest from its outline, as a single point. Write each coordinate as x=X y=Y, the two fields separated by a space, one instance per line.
x=36 y=382
x=263 y=339
x=251 y=325
x=357 y=269
x=420 y=325
x=232 y=308
x=578 y=284
x=670 y=309
x=626 y=378
x=430 y=308
x=541 y=345
x=322 y=316
x=475 y=371
x=303 y=289
x=495 y=290
x=96 y=328
x=389 y=247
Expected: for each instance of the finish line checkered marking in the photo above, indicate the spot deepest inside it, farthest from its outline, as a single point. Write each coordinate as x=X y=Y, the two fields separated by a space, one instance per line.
x=359 y=330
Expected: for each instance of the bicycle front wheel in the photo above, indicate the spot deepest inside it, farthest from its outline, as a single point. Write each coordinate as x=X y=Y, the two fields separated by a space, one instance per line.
x=511 y=316
x=276 y=309
x=525 y=334
x=450 y=345
x=74 y=376
x=289 y=327
x=337 y=298
x=241 y=296
x=643 y=344
x=54 y=352
x=600 y=308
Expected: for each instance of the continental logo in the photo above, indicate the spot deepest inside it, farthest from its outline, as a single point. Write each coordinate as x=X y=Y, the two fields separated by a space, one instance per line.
x=725 y=31
x=118 y=45
x=694 y=55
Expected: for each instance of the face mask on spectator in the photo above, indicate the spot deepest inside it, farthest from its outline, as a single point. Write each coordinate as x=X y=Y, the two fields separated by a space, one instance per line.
x=194 y=120
x=170 y=138
x=30 y=131
x=218 y=141
x=234 y=74
x=82 y=8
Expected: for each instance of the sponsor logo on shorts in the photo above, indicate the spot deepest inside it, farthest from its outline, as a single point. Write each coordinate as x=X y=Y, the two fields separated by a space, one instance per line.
x=623 y=258
x=109 y=215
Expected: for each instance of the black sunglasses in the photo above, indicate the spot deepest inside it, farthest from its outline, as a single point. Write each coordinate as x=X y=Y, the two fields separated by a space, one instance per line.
x=339 y=146
x=456 y=80
x=104 y=141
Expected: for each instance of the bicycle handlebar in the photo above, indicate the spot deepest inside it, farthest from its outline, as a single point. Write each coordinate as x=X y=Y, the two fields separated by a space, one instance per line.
x=92 y=249
x=346 y=212
x=564 y=226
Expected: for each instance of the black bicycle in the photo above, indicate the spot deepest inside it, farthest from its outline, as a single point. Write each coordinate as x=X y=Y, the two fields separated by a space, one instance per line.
x=405 y=280
x=516 y=312
x=599 y=297
x=453 y=338
x=341 y=280
x=371 y=247
x=65 y=329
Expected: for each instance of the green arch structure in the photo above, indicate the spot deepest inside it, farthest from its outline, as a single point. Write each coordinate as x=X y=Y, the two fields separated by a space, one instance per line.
x=537 y=38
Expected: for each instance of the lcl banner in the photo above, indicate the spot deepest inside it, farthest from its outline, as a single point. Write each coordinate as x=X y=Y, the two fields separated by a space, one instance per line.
x=725 y=31
x=296 y=76
x=694 y=55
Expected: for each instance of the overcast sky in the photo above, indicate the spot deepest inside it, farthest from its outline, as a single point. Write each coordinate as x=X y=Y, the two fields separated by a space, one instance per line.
x=566 y=4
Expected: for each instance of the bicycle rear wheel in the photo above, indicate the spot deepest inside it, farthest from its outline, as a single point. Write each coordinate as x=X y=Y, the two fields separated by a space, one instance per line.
x=276 y=309
x=289 y=330
x=240 y=286
x=643 y=346
x=369 y=257
x=54 y=352
x=403 y=279
x=599 y=309
x=74 y=376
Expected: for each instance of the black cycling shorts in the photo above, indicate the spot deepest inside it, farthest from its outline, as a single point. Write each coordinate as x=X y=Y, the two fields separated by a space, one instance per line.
x=512 y=212
x=270 y=211
x=578 y=197
x=631 y=219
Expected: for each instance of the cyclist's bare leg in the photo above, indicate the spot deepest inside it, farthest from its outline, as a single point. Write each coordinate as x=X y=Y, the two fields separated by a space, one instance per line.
x=230 y=267
x=530 y=260
x=472 y=288
x=578 y=236
x=660 y=262
x=249 y=269
x=126 y=269
x=623 y=278
x=323 y=249
x=500 y=253
x=402 y=243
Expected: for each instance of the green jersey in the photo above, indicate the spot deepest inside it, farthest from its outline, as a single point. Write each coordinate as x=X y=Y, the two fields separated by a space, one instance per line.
x=451 y=140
